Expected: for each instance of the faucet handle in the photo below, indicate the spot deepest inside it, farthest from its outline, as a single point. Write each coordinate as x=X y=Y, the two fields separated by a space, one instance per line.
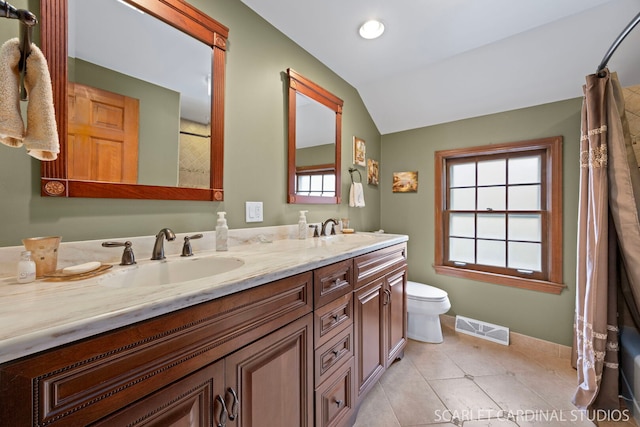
x=128 y=258
x=315 y=230
x=186 y=247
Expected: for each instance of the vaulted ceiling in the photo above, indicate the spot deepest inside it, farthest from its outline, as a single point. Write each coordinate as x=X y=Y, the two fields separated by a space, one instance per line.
x=444 y=60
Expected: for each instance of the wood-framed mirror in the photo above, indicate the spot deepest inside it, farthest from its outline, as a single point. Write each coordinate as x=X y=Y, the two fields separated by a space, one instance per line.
x=314 y=140
x=55 y=176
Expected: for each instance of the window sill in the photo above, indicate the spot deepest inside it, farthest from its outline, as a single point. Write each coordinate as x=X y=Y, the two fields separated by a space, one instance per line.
x=499 y=279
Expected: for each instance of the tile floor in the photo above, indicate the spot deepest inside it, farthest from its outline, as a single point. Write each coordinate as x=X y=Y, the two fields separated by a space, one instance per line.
x=470 y=382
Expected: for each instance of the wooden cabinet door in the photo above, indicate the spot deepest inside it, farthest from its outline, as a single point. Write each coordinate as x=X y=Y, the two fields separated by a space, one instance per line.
x=190 y=402
x=369 y=334
x=273 y=378
x=395 y=315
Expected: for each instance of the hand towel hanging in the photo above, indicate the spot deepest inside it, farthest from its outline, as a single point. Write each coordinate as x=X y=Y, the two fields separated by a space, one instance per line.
x=11 y=124
x=41 y=136
x=356 y=195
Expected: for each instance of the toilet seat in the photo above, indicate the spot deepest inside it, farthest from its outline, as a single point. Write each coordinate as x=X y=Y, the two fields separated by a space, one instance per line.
x=422 y=292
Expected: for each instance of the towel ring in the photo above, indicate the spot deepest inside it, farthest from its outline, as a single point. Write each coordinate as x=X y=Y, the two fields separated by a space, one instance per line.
x=351 y=171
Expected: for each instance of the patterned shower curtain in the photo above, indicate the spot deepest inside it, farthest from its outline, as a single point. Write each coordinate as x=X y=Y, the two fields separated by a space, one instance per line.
x=608 y=240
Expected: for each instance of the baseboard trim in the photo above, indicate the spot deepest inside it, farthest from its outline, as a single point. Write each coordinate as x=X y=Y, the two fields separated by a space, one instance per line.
x=521 y=342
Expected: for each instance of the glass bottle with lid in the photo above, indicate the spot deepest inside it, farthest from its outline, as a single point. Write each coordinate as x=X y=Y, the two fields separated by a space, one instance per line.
x=26 y=268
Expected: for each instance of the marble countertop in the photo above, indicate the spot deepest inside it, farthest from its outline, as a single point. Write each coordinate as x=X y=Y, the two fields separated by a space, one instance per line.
x=44 y=314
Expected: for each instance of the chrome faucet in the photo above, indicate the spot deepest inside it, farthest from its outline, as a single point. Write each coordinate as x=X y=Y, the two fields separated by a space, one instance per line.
x=333 y=227
x=158 y=247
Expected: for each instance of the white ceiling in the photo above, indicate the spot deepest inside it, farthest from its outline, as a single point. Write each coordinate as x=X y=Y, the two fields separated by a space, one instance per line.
x=445 y=60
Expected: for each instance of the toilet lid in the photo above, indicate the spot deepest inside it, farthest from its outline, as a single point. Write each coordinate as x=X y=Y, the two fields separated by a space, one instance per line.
x=421 y=291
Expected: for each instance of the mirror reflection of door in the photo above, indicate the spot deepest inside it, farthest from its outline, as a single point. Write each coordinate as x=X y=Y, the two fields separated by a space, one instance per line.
x=167 y=70
x=102 y=135
x=315 y=148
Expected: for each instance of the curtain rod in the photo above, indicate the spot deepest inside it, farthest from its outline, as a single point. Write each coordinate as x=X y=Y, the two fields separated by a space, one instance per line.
x=195 y=134
x=615 y=44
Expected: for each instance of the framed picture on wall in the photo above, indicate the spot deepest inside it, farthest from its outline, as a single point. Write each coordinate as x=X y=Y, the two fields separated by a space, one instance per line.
x=405 y=182
x=359 y=151
x=372 y=172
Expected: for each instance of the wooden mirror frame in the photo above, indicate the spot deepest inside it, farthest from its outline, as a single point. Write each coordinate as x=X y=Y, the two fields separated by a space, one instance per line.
x=184 y=17
x=298 y=83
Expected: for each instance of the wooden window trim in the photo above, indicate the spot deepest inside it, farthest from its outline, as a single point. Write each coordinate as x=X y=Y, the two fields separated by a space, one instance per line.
x=316 y=169
x=553 y=198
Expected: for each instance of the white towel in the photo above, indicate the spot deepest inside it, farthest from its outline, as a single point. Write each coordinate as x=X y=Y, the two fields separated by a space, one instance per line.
x=11 y=125
x=41 y=136
x=356 y=195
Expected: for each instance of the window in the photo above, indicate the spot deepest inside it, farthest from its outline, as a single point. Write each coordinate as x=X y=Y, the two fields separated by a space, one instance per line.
x=498 y=214
x=316 y=181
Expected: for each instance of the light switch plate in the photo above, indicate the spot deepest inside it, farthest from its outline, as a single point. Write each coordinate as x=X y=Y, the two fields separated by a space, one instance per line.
x=253 y=211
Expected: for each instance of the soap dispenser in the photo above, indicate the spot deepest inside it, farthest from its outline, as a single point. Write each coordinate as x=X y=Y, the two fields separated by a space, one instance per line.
x=222 y=232
x=302 y=225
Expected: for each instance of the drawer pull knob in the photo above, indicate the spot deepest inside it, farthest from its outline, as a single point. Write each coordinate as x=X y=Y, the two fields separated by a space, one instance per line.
x=338 y=402
x=335 y=317
x=222 y=418
x=234 y=404
x=336 y=353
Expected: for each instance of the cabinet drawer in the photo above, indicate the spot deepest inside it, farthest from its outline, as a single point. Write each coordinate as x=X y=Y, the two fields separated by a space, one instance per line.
x=333 y=353
x=331 y=318
x=376 y=264
x=332 y=281
x=335 y=398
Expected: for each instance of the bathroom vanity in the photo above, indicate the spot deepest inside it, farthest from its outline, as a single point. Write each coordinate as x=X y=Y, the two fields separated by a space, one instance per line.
x=294 y=336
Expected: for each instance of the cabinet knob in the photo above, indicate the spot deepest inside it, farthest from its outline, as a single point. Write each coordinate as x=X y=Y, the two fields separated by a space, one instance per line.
x=336 y=353
x=339 y=402
x=335 y=317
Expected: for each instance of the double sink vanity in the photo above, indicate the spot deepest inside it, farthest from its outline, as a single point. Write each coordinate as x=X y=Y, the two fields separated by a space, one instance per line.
x=274 y=331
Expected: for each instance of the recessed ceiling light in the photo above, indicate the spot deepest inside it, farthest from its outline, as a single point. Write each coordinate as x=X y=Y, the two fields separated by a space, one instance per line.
x=371 y=29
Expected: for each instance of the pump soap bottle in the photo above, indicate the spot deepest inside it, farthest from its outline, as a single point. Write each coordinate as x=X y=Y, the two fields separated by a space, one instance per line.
x=222 y=232
x=302 y=225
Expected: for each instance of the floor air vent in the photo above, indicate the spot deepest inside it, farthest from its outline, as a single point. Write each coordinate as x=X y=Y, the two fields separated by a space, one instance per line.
x=483 y=330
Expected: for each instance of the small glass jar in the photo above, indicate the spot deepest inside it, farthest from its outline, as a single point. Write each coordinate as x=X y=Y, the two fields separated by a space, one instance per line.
x=26 y=268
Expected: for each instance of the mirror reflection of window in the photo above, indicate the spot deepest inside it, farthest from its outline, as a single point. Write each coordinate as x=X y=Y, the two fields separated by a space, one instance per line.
x=316 y=181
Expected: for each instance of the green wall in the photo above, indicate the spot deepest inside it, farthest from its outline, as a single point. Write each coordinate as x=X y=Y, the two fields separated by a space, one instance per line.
x=318 y=155
x=255 y=150
x=532 y=313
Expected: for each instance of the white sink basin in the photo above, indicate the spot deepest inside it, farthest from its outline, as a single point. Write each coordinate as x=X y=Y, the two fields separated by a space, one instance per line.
x=158 y=273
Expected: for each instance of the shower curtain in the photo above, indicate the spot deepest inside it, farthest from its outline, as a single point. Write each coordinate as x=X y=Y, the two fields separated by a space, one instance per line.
x=608 y=240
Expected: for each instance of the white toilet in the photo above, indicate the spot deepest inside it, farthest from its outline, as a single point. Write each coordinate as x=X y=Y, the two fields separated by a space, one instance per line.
x=425 y=304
